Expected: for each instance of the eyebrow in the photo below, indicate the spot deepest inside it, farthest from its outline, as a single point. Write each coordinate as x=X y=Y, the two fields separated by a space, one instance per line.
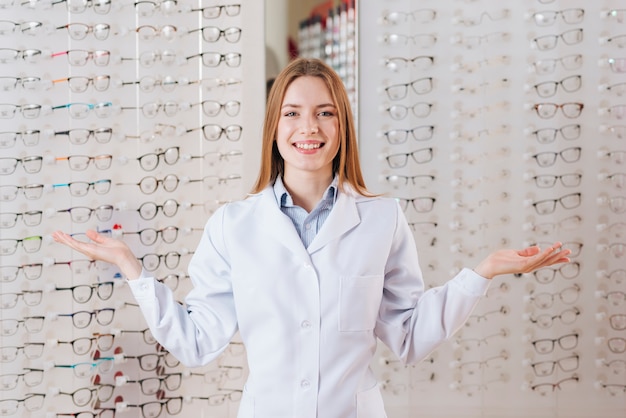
x=317 y=107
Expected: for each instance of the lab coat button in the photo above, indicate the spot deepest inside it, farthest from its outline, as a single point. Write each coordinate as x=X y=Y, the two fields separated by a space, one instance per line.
x=305 y=384
x=305 y=324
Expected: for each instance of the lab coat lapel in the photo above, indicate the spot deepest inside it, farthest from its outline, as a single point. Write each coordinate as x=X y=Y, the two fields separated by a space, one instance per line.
x=277 y=225
x=342 y=218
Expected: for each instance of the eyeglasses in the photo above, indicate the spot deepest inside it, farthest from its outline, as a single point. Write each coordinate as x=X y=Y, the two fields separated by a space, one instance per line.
x=617 y=14
x=418 y=16
x=79 y=6
x=546 y=66
x=32 y=402
x=83 y=396
x=475 y=319
x=222 y=373
x=420 y=40
x=149 y=184
x=79 y=84
x=548 y=158
x=81 y=110
x=169 y=108
x=152 y=385
x=419 y=62
x=616 y=156
x=547 y=274
x=470 y=344
x=419 y=86
x=481 y=88
x=8 y=55
x=458 y=19
x=471 y=42
x=83 y=293
x=617 y=345
x=420 y=156
x=32 y=325
x=548 y=135
x=82 y=214
x=548 y=42
x=549 y=17
x=548 y=110
x=618 y=180
x=152 y=261
x=148 y=58
x=617 y=204
x=567 y=316
x=172 y=280
x=82 y=319
x=150 y=161
x=30 y=218
x=473 y=66
x=148 y=83
x=31 y=28
x=212 y=108
x=419 y=110
x=82 y=266
x=617 y=65
x=29 y=138
x=81 y=188
x=213 y=34
x=28 y=111
x=618 y=89
x=544 y=300
x=549 y=180
x=30 y=271
x=81 y=162
x=568 y=383
x=147 y=8
x=419 y=133
x=617 y=276
x=148 y=338
x=150 y=362
x=549 y=88
x=79 y=136
x=214 y=157
x=27 y=83
x=615 y=230
x=149 y=32
x=30 y=377
x=80 y=57
x=149 y=236
x=213 y=12
x=613 y=297
x=152 y=409
x=88 y=369
x=30 y=244
x=420 y=180
x=547 y=206
x=618 y=322
x=29 y=297
x=618 y=41
x=149 y=210
x=213 y=132
x=83 y=345
x=546 y=345
x=219 y=398
x=210 y=182
x=214 y=59
x=79 y=31
x=420 y=204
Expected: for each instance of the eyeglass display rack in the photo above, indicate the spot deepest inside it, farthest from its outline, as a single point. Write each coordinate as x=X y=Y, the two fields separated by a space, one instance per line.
x=500 y=124
x=110 y=106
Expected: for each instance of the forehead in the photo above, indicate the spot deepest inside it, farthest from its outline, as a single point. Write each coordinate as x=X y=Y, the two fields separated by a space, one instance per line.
x=307 y=90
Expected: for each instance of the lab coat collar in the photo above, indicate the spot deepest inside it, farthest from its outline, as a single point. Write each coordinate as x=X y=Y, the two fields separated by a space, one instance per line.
x=342 y=218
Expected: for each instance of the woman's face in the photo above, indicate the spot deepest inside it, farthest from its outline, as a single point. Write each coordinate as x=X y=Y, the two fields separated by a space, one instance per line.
x=307 y=133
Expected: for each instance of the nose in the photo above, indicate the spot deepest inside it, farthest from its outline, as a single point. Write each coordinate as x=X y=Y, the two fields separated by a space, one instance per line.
x=309 y=126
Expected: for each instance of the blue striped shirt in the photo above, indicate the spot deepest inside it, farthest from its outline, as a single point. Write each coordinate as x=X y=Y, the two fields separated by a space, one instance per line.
x=307 y=224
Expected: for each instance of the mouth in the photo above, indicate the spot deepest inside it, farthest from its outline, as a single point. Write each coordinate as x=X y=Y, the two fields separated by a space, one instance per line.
x=308 y=145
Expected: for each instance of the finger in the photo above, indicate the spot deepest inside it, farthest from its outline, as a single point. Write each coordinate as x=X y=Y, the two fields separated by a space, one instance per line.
x=95 y=236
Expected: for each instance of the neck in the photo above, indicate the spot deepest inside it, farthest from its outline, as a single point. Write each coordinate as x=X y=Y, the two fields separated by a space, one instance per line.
x=306 y=191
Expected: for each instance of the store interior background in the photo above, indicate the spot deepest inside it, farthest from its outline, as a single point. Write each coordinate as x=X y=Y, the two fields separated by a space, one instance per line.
x=516 y=357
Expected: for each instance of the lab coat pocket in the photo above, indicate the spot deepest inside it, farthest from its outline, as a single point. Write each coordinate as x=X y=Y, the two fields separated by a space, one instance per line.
x=369 y=404
x=359 y=302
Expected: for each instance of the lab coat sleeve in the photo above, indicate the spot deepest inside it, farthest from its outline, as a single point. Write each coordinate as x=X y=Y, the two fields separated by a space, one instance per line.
x=197 y=331
x=413 y=322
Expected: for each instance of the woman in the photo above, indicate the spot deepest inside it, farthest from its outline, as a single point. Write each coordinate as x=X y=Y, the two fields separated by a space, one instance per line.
x=310 y=268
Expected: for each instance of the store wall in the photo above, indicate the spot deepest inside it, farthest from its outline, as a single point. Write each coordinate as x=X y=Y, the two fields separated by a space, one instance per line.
x=455 y=123
x=156 y=124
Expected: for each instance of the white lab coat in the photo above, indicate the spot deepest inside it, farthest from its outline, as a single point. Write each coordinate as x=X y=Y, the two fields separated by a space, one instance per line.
x=309 y=317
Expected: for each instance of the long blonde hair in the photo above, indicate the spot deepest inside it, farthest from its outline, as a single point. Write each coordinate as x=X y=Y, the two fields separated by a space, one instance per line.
x=346 y=163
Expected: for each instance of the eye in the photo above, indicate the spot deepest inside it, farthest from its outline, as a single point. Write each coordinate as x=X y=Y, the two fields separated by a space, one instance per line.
x=327 y=113
x=290 y=114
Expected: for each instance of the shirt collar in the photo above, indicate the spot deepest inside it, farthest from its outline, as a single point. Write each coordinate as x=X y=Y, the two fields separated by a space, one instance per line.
x=284 y=198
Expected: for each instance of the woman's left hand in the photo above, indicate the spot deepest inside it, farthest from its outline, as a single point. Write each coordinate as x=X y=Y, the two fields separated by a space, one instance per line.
x=529 y=259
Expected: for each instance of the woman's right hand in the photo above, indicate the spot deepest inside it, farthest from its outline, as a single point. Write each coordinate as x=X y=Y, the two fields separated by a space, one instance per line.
x=106 y=249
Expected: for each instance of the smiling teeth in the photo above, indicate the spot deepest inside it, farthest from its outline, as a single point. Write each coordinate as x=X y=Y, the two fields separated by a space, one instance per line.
x=308 y=146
